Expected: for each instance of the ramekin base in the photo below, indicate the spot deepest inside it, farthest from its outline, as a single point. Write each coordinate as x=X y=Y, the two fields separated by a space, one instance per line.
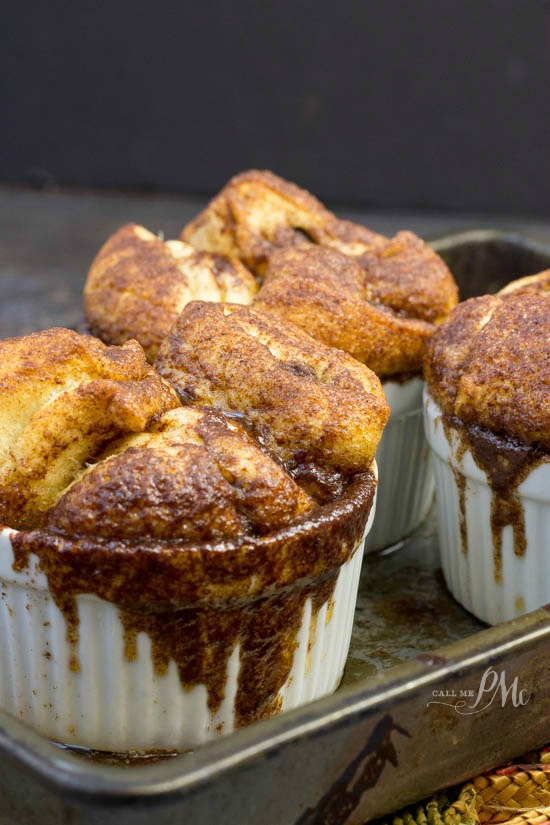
x=469 y=567
x=405 y=479
x=113 y=704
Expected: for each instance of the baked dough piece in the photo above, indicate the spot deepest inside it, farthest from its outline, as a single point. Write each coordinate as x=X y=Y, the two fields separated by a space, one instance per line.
x=531 y=283
x=305 y=402
x=63 y=397
x=326 y=294
x=138 y=285
x=195 y=475
x=257 y=213
x=489 y=364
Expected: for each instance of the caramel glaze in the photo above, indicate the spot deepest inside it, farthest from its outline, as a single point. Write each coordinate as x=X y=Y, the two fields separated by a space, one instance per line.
x=198 y=601
x=506 y=463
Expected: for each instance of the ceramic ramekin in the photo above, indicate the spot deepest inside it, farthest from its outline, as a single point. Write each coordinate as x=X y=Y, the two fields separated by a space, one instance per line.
x=113 y=701
x=405 y=484
x=468 y=561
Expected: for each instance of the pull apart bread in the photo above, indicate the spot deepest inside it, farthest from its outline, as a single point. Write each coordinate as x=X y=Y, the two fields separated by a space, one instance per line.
x=257 y=214
x=94 y=441
x=327 y=294
x=137 y=285
x=489 y=365
x=208 y=553
x=64 y=396
x=487 y=414
x=306 y=403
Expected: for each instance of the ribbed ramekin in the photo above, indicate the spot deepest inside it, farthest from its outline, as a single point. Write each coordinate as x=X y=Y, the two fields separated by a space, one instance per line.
x=405 y=483
x=111 y=703
x=468 y=563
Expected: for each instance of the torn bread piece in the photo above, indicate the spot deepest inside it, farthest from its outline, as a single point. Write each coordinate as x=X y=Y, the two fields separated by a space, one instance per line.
x=257 y=213
x=64 y=396
x=138 y=284
x=305 y=402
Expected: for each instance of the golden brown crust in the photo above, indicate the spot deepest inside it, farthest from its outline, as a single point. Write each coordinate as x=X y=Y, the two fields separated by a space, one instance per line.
x=258 y=212
x=63 y=396
x=154 y=574
x=195 y=475
x=305 y=402
x=326 y=294
x=138 y=284
x=489 y=365
x=531 y=283
x=404 y=273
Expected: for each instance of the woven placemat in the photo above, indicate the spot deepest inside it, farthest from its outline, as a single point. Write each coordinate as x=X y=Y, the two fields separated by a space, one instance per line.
x=515 y=794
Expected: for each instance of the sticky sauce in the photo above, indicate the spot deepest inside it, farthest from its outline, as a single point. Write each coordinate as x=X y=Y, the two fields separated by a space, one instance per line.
x=198 y=602
x=506 y=463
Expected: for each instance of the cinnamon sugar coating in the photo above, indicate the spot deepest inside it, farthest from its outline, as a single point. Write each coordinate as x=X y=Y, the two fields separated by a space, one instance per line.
x=531 y=283
x=258 y=212
x=328 y=295
x=404 y=288
x=63 y=397
x=195 y=475
x=305 y=402
x=183 y=520
x=137 y=285
x=489 y=365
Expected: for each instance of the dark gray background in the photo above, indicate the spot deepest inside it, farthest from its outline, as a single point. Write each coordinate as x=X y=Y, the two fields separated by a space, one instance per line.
x=396 y=102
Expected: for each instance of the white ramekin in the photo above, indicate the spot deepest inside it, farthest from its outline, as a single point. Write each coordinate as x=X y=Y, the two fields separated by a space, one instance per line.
x=405 y=479
x=470 y=570
x=114 y=704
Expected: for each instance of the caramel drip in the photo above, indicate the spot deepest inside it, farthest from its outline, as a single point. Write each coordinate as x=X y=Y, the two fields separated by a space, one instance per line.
x=461 y=487
x=202 y=641
x=506 y=463
x=194 y=602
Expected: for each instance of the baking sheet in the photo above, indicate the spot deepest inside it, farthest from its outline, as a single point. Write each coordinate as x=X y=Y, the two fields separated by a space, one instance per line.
x=391 y=734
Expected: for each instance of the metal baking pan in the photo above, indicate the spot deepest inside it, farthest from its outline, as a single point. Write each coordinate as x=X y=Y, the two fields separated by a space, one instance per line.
x=429 y=698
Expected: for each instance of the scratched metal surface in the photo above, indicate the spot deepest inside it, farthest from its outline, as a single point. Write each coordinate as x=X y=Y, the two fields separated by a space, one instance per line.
x=377 y=743
x=403 y=607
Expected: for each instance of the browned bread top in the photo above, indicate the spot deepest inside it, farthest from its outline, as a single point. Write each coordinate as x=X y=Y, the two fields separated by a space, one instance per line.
x=137 y=285
x=327 y=295
x=489 y=364
x=63 y=396
x=257 y=213
x=194 y=475
x=308 y=404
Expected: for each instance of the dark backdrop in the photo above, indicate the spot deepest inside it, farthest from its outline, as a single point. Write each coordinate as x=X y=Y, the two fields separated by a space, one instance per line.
x=413 y=102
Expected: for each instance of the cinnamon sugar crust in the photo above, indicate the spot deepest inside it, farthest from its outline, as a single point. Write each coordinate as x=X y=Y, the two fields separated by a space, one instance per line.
x=308 y=404
x=63 y=397
x=137 y=285
x=258 y=213
x=531 y=283
x=194 y=475
x=328 y=295
x=178 y=515
x=489 y=365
